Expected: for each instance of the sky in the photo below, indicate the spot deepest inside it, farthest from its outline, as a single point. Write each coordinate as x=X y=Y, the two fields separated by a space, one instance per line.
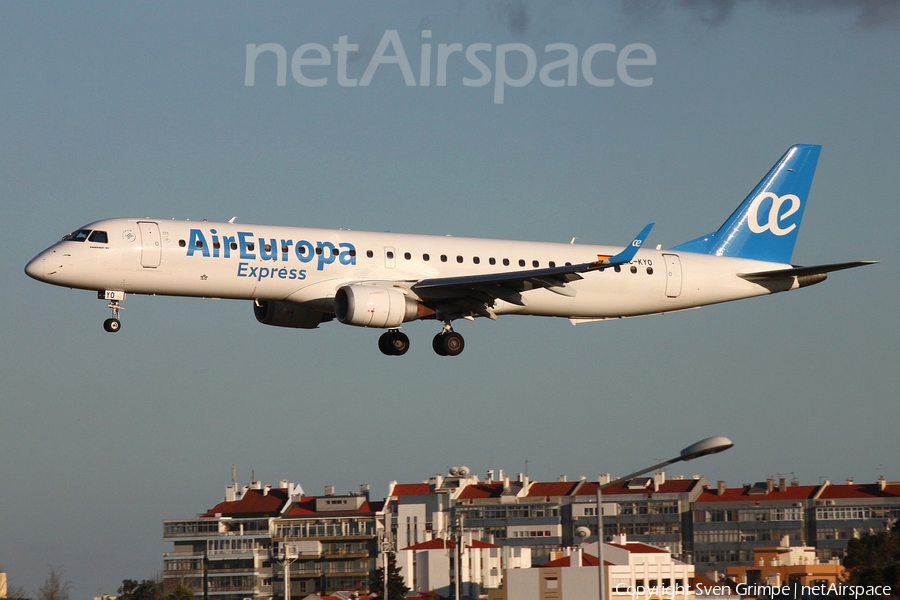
x=144 y=110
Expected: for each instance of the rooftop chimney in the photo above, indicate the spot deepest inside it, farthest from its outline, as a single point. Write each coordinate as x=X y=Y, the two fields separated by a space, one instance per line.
x=720 y=488
x=563 y=478
x=849 y=481
x=604 y=478
x=782 y=484
x=329 y=490
x=882 y=483
x=770 y=485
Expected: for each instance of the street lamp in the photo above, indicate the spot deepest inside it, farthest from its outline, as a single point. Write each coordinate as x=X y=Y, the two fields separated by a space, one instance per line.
x=710 y=445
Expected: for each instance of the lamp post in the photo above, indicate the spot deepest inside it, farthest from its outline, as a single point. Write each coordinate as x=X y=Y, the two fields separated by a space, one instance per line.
x=710 y=445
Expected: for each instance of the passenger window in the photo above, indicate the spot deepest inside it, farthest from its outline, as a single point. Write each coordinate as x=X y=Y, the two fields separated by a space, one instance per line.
x=521 y=263
x=407 y=255
x=217 y=245
x=233 y=245
x=426 y=258
x=552 y=264
x=268 y=247
x=182 y=243
x=535 y=263
x=389 y=254
x=476 y=260
x=99 y=237
x=505 y=262
x=251 y=246
x=443 y=258
x=649 y=270
x=617 y=269
x=492 y=260
x=369 y=253
x=459 y=259
x=284 y=249
x=633 y=269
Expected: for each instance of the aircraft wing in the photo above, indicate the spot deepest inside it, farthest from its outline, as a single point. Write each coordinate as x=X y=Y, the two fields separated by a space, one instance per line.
x=475 y=294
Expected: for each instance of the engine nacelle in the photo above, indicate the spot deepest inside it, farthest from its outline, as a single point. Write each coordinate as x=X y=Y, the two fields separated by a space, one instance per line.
x=288 y=314
x=373 y=306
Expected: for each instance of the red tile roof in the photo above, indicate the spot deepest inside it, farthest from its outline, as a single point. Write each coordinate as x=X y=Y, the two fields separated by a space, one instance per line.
x=671 y=486
x=639 y=548
x=587 y=560
x=435 y=544
x=868 y=490
x=307 y=506
x=481 y=490
x=552 y=488
x=742 y=494
x=442 y=544
x=253 y=502
x=410 y=489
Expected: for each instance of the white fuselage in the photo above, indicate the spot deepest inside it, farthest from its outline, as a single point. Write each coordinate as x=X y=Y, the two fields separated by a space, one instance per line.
x=307 y=266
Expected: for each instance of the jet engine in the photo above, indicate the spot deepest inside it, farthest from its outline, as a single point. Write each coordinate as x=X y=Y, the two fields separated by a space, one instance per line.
x=288 y=314
x=373 y=306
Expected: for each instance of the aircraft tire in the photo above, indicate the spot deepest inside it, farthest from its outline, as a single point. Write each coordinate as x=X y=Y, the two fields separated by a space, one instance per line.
x=112 y=325
x=448 y=343
x=384 y=344
x=399 y=343
x=438 y=344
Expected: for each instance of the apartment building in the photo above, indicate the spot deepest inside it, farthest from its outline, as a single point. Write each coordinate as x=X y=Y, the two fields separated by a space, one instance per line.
x=262 y=538
x=226 y=551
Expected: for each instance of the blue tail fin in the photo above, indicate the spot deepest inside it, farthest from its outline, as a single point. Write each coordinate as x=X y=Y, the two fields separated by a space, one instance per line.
x=765 y=225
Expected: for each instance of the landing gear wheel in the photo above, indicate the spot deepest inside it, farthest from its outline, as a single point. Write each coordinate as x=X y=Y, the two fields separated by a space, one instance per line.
x=448 y=343
x=112 y=325
x=393 y=343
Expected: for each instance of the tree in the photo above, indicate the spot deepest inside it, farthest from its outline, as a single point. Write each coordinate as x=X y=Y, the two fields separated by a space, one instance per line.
x=148 y=589
x=875 y=559
x=397 y=588
x=16 y=593
x=179 y=593
x=54 y=588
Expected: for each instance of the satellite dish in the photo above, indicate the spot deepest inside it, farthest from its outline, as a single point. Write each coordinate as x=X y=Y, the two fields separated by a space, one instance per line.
x=463 y=471
x=583 y=532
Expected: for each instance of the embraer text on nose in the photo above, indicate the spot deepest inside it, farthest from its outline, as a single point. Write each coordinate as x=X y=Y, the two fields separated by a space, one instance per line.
x=311 y=64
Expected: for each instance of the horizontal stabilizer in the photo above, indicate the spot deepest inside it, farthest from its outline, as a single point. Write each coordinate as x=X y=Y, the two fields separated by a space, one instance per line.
x=781 y=274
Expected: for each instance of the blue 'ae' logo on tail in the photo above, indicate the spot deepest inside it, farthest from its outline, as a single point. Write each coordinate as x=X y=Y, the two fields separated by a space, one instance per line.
x=765 y=225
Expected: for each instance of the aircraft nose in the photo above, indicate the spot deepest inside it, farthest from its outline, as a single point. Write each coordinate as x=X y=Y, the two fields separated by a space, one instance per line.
x=39 y=267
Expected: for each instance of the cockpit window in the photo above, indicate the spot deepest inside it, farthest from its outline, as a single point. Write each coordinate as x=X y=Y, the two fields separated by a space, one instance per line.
x=77 y=236
x=99 y=237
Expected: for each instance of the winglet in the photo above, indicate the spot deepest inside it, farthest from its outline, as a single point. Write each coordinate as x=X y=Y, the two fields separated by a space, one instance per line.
x=628 y=253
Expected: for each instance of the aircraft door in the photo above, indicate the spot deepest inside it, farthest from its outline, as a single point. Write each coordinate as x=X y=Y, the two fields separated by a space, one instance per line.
x=673 y=275
x=151 y=247
x=390 y=260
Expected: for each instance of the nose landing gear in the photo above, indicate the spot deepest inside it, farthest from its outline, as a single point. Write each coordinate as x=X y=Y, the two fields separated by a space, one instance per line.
x=113 y=324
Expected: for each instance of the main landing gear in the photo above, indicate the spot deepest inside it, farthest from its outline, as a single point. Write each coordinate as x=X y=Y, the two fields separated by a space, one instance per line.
x=113 y=324
x=393 y=342
x=447 y=343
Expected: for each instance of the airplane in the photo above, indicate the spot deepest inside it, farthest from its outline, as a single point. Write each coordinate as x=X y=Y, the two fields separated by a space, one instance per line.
x=302 y=277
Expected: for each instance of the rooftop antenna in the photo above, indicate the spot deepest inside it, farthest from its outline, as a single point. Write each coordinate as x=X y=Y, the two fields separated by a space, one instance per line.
x=233 y=474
